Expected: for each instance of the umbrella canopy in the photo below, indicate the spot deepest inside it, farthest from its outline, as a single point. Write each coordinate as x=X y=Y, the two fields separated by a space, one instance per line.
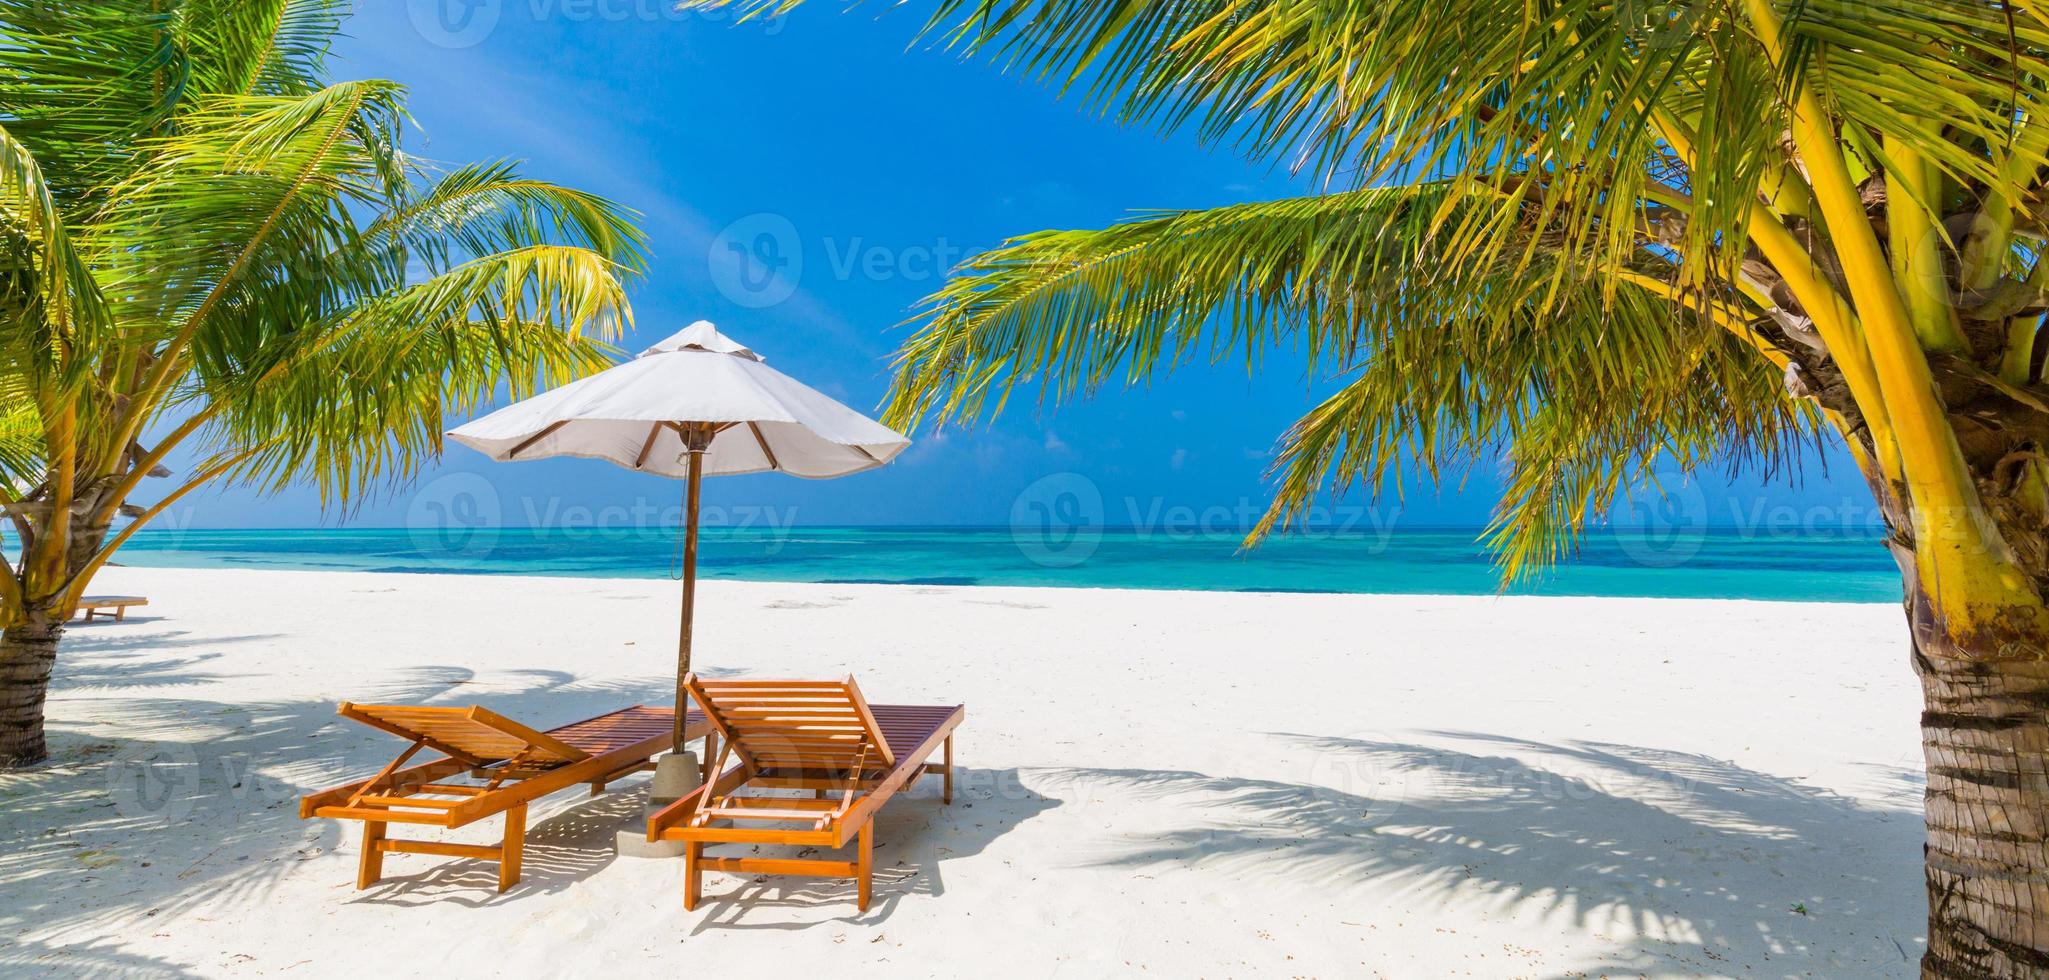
x=639 y=414
x=697 y=404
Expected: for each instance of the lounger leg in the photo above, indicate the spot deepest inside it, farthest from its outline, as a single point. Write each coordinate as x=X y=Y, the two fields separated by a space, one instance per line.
x=866 y=868
x=121 y=614
x=370 y=866
x=711 y=751
x=693 y=883
x=946 y=795
x=513 y=848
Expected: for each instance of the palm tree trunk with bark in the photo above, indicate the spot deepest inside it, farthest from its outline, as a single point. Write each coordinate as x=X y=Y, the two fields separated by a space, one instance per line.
x=28 y=651
x=1985 y=692
x=1985 y=731
x=28 y=647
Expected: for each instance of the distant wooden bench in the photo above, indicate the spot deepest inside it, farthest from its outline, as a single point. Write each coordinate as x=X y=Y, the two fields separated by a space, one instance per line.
x=97 y=605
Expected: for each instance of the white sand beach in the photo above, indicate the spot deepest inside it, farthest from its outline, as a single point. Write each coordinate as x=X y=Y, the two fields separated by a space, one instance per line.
x=1168 y=784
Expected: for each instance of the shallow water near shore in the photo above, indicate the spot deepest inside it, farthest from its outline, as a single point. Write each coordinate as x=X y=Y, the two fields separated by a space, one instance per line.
x=1624 y=562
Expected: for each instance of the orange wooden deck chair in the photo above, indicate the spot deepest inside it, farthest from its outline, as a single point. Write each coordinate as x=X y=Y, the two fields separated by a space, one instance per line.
x=510 y=764
x=805 y=735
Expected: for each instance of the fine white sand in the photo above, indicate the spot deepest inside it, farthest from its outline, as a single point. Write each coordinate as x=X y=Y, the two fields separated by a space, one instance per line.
x=1175 y=784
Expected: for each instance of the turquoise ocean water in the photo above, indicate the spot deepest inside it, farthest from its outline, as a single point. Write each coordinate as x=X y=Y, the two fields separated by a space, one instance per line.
x=1700 y=563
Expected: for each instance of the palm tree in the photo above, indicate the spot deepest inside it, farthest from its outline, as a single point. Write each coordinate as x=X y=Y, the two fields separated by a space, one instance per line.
x=1605 y=234
x=207 y=248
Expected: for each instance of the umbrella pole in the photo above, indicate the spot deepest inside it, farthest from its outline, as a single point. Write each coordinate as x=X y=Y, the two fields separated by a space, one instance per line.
x=689 y=585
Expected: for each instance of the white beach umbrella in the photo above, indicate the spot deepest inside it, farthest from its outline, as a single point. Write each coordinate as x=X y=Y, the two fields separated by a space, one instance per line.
x=697 y=404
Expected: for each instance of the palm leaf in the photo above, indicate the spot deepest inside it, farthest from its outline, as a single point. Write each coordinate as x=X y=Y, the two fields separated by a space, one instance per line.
x=1449 y=360
x=530 y=318
x=21 y=436
x=259 y=47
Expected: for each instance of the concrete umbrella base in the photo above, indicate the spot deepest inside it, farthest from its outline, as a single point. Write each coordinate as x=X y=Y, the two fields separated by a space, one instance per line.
x=676 y=775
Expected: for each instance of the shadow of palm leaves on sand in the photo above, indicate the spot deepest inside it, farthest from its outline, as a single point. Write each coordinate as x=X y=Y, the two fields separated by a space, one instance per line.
x=130 y=671
x=20 y=958
x=1692 y=862
x=101 y=638
x=96 y=662
x=157 y=805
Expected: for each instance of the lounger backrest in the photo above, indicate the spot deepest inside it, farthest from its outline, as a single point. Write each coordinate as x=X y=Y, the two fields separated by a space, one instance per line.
x=794 y=724
x=473 y=734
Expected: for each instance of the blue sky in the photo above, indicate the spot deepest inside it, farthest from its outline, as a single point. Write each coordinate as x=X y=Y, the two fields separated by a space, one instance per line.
x=822 y=146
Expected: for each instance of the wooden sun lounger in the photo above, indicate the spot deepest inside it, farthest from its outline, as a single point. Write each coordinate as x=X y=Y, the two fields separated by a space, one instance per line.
x=513 y=765
x=805 y=735
x=95 y=605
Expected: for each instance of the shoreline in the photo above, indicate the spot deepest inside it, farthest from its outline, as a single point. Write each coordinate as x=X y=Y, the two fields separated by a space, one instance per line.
x=1424 y=563
x=710 y=575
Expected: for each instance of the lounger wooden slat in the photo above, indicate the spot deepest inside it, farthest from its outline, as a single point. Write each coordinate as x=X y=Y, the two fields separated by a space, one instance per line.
x=480 y=851
x=764 y=813
x=819 y=735
x=458 y=790
x=760 y=685
x=769 y=802
x=416 y=802
x=771 y=866
x=514 y=764
x=790 y=723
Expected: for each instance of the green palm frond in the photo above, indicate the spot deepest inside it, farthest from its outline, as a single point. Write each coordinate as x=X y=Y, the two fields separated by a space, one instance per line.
x=83 y=84
x=1079 y=309
x=1583 y=401
x=1448 y=357
x=251 y=192
x=1950 y=78
x=203 y=244
x=478 y=210
x=21 y=435
x=259 y=47
x=52 y=303
x=80 y=83
x=530 y=318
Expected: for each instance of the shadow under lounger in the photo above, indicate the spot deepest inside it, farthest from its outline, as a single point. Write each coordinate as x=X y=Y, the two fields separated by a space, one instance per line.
x=510 y=764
